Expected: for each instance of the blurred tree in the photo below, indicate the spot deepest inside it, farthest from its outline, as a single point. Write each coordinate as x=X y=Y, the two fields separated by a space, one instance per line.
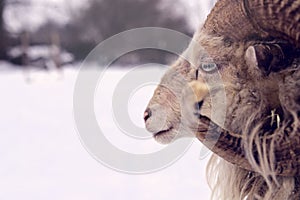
x=101 y=19
x=104 y=18
x=3 y=44
x=108 y=17
x=4 y=34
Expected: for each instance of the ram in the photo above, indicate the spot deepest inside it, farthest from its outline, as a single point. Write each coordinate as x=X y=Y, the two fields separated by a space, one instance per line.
x=253 y=45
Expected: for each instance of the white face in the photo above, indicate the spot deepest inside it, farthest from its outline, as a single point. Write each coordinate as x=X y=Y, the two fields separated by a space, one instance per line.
x=163 y=115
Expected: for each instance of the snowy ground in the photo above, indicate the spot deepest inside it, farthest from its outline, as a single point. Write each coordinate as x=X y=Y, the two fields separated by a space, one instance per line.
x=41 y=156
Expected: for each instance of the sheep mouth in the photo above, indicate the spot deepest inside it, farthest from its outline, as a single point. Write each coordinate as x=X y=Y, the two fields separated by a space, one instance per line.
x=163 y=132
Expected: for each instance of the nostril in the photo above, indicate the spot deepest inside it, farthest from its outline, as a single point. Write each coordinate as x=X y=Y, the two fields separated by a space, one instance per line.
x=147 y=114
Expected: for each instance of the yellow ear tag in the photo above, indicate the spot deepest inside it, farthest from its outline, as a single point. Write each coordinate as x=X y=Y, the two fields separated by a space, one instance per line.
x=199 y=88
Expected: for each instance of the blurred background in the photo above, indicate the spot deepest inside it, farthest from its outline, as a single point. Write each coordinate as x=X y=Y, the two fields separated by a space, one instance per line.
x=69 y=29
x=42 y=45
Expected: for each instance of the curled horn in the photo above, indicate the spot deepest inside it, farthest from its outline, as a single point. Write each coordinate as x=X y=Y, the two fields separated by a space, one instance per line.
x=229 y=146
x=264 y=19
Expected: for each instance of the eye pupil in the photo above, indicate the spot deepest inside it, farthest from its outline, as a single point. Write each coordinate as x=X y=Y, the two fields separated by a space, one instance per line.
x=208 y=67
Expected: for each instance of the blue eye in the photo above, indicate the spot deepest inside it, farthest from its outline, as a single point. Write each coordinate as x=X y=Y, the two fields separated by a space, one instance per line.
x=208 y=67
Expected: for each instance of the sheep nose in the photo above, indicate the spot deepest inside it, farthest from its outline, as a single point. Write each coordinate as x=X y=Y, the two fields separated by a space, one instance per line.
x=147 y=114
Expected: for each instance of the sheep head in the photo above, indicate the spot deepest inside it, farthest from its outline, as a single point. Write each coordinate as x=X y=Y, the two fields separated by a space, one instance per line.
x=259 y=66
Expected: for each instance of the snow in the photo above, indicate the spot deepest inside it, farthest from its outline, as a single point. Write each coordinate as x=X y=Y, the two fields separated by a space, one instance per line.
x=42 y=156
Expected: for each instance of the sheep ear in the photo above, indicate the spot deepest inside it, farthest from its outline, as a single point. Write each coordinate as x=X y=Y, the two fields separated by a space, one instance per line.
x=250 y=57
x=259 y=56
